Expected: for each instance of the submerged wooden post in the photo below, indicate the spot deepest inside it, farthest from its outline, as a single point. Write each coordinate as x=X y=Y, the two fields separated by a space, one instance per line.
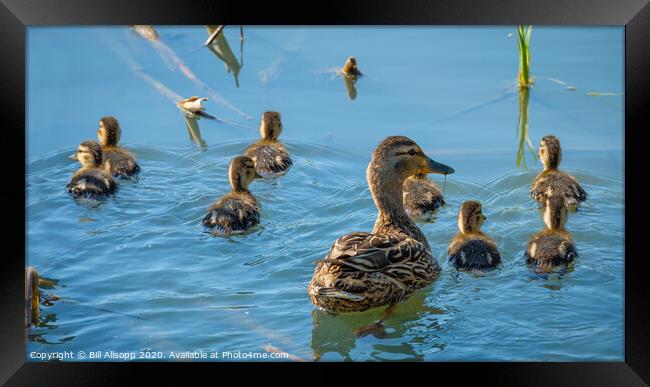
x=32 y=296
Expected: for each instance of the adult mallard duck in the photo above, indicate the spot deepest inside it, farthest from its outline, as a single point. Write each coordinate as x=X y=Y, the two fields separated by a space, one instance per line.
x=383 y=267
x=119 y=161
x=270 y=156
x=237 y=211
x=91 y=181
x=471 y=249
x=421 y=197
x=553 y=247
x=552 y=181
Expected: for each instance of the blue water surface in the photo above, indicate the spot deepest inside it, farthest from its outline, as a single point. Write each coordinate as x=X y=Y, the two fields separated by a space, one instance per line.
x=138 y=273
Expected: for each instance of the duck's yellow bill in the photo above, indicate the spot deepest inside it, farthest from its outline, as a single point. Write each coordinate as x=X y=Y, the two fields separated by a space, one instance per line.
x=436 y=167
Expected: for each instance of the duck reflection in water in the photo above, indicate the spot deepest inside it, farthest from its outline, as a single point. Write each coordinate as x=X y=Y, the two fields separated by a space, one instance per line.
x=336 y=333
x=221 y=49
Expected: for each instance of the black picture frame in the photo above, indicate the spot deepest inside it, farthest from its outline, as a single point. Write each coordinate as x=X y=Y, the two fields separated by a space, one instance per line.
x=15 y=15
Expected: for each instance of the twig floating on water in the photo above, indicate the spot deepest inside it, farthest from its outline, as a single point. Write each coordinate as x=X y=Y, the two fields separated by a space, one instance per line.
x=599 y=94
x=146 y=32
x=214 y=35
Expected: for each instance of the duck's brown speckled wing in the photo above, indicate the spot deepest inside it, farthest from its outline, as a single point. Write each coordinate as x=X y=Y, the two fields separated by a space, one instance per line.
x=372 y=252
x=365 y=270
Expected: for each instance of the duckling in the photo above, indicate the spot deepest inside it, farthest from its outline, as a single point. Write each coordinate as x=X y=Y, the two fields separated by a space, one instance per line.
x=351 y=74
x=119 y=161
x=350 y=67
x=91 y=181
x=554 y=246
x=270 y=156
x=552 y=181
x=421 y=196
x=237 y=211
x=471 y=249
x=194 y=106
x=364 y=270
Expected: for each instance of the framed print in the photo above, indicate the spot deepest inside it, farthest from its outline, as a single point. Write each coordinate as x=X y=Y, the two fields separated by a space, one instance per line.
x=449 y=187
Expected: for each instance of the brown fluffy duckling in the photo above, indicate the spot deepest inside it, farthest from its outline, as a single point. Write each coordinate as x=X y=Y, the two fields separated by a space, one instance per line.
x=471 y=249
x=270 y=156
x=385 y=266
x=552 y=181
x=237 y=211
x=118 y=160
x=350 y=67
x=92 y=181
x=553 y=247
x=421 y=197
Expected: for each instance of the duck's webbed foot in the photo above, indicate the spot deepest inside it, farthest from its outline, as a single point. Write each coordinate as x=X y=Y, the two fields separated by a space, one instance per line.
x=377 y=329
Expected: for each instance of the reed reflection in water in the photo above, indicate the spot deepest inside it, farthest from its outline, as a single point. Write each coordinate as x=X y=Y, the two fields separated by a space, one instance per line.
x=523 y=128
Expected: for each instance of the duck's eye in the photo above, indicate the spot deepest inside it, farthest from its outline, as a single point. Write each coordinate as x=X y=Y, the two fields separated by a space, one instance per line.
x=412 y=152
